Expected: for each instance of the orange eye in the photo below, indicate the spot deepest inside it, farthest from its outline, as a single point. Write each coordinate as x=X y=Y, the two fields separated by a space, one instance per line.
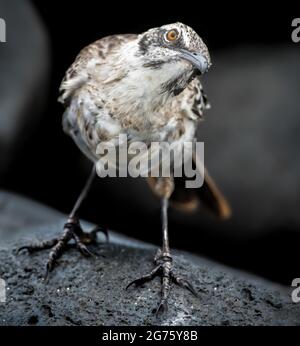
x=172 y=35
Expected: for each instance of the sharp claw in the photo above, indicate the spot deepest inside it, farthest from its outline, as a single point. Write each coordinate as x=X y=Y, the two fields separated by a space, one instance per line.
x=184 y=283
x=82 y=247
x=134 y=282
x=145 y=278
x=103 y=230
x=23 y=248
x=92 y=254
x=106 y=233
x=137 y=282
x=85 y=251
x=192 y=290
x=162 y=307
x=130 y=284
x=49 y=268
x=46 y=274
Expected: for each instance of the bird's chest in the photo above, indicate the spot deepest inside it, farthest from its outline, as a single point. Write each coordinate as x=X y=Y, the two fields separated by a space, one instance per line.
x=164 y=120
x=161 y=127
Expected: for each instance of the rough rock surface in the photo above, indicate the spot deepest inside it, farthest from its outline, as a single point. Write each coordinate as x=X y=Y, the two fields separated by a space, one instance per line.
x=91 y=291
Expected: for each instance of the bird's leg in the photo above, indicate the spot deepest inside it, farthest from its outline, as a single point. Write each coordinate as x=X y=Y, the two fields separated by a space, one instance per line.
x=163 y=262
x=72 y=231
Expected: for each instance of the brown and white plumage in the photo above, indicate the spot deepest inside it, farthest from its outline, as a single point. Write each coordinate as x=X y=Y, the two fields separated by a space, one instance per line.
x=148 y=87
x=138 y=85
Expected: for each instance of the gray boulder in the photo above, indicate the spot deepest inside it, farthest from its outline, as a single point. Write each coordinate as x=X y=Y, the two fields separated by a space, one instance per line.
x=91 y=291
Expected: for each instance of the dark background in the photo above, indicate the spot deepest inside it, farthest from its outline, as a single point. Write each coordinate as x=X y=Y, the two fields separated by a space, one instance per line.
x=54 y=171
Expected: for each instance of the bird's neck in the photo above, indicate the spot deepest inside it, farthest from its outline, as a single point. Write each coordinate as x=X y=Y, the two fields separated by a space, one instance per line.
x=143 y=90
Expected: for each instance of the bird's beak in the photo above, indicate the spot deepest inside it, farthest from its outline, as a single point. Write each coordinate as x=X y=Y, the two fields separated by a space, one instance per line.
x=199 y=61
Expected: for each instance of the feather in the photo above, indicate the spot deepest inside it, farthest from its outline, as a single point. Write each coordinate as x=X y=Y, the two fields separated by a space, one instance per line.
x=189 y=200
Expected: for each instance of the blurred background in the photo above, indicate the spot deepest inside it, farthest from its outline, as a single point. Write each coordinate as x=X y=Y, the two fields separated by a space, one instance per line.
x=251 y=134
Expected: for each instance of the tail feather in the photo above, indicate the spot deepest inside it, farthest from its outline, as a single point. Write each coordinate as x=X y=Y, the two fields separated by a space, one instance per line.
x=189 y=200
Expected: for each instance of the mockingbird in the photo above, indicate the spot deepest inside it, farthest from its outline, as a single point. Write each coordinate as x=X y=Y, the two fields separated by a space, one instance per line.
x=148 y=87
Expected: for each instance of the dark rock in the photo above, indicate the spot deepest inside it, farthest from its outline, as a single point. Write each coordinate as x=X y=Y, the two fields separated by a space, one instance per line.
x=91 y=291
x=19 y=213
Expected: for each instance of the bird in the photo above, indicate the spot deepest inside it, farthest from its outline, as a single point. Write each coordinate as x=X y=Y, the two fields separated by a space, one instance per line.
x=148 y=87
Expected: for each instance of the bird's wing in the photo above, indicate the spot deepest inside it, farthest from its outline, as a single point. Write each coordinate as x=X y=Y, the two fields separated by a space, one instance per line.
x=194 y=100
x=187 y=199
x=82 y=111
x=85 y=62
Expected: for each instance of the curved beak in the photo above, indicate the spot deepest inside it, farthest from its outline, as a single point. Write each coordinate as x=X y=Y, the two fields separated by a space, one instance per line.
x=199 y=61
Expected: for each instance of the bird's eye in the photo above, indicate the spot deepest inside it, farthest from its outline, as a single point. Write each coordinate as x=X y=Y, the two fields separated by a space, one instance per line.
x=172 y=35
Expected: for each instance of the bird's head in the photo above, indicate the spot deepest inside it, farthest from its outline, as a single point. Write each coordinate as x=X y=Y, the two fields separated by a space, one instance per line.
x=158 y=64
x=173 y=43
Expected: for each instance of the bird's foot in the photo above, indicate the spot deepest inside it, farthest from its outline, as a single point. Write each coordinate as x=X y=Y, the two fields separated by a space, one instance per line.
x=72 y=231
x=164 y=269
